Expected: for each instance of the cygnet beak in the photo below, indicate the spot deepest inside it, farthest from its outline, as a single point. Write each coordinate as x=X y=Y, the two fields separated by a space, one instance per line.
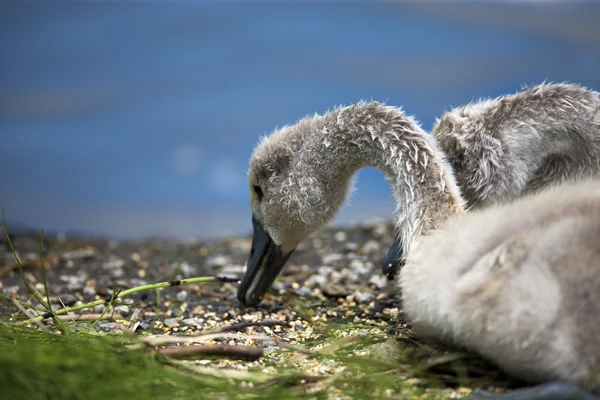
x=393 y=260
x=265 y=262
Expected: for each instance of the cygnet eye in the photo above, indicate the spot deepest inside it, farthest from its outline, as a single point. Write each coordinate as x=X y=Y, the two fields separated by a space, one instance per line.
x=259 y=192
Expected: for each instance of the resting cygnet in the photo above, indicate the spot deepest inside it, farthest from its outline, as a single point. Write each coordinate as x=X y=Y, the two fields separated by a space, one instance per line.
x=520 y=143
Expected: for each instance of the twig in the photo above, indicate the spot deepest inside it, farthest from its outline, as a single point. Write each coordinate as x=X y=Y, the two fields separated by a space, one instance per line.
x=158 y=340
x=223 y=372
x=87 y=317
x=243 y=325
x=29 y=262
x=24 y=311
x=247 y=353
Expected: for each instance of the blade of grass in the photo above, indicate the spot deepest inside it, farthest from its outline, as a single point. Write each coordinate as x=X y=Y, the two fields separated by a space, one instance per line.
x=14 y=254
x=62 y=327
x=122 y=294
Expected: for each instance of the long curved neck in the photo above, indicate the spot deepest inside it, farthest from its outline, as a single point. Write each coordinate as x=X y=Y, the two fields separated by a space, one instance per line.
x=372 y=134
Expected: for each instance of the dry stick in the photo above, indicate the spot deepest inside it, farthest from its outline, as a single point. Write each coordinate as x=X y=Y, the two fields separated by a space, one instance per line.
x=88 y=317
x=24 y=311
x=243 y=325
x=29 y=262
x=247 y=353
x=129 y=292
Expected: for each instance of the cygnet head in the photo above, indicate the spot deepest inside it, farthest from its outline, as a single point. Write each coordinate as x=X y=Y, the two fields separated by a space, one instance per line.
x=295 y=187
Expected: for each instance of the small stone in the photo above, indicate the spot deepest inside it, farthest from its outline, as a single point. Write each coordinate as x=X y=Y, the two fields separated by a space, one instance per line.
x=218 y=261
x=117 y=273
x=316 y=280
x=68 y=299
x=123 y=310
x=233 y=269
x=325 y=271
x=79 y=254
x=113 y=262
x=182 y=296
x=341 y=236
x=329 y=259
x=379 y=281
x=240 y=245
x=304 y=292
x=358 y=267
x=192 y=322
x=171 y=323
x=74 y=287
x=351 y=246
x=186 y=269
x=372 y=246
x=11 y=290
x=363 y=297
x=107 y=326
x=99 y=309
x=144 y=325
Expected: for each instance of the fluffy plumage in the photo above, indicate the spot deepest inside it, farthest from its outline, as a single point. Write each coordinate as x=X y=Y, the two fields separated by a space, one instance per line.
x=500 y=149
x=305 y=171
x=517 y=283
x=520 y=143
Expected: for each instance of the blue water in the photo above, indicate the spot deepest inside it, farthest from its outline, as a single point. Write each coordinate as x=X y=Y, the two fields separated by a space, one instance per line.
x=133 y=119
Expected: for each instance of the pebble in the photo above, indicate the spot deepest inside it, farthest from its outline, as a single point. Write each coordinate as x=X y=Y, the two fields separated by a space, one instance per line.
x=99 y=309
x=123 y=310
x=186 y=269
x=78 y=254
x=218 y=261
x=240 y=246
x=329 y=259
x=233 y=269
x=363 y=297
x=351 y=246
x=68 y=299
x=192 y=322
x=304 y=292
x=117 y=273
x=372 y=246
x=316 y=280
x=113 y=262
x=358 y=267
x=325 y=271
x=341 y=236
x=144 y=325
x=171 y=323
x=107 y=325
x=182 y=296
x=11 y=290
x=379 y=280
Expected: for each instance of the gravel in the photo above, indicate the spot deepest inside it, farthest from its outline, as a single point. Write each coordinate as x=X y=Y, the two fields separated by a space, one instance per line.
x=334 y=276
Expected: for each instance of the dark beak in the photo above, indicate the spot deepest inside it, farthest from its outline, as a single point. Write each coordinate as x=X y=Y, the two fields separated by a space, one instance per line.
x=264 y=265
x=393 y=260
